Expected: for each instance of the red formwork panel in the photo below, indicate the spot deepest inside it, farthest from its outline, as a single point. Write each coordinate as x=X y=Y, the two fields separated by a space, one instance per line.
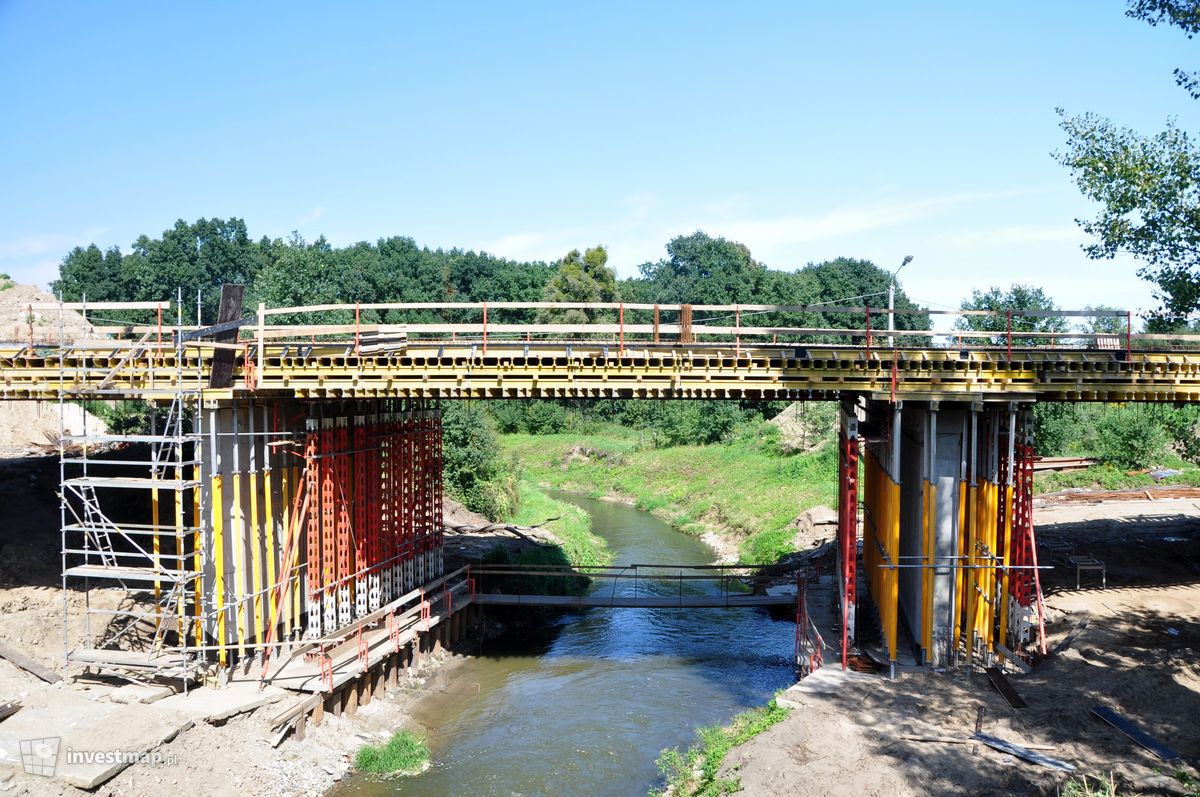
x=439 y=525
x=312 y=486
x=360 y=534
x=1021 y=545
x=325 y=467
x=345 y=558
x=387 y=517
x=374 y=459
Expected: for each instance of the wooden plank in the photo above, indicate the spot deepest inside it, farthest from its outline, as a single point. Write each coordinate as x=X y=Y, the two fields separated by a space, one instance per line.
x=1013 y=659
x=1005 y=688
x=1023 y=753
x=29 y=665
x=230 y=310
x=1134 y=732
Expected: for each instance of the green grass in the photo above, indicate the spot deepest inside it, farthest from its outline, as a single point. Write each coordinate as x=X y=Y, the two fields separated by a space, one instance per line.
x=405 y=753
x=741 y=488
x=693 y=772
x=580 y=545
x=1106 y=477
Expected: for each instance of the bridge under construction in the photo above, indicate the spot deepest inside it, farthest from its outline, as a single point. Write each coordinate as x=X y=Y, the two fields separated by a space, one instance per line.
x=287 y=521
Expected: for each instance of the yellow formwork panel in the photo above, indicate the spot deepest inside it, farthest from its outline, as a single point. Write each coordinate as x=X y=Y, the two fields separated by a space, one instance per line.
x=892 y=598
x=254 y=605
x=1005 y=546
x=197 y=562
x=269 y=534
x=238 y=538
x=584 y=369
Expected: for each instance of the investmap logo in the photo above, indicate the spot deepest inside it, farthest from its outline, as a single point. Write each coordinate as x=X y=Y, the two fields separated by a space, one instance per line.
x=42 y=756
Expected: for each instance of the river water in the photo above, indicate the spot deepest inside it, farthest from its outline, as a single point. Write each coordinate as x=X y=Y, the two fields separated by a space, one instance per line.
x=585 y=707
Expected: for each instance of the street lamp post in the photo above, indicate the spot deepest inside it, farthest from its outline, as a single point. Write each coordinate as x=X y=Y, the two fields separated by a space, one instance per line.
x=892 y=302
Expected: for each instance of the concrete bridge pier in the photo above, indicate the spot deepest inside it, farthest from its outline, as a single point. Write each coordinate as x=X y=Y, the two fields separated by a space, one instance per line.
x=947 y=533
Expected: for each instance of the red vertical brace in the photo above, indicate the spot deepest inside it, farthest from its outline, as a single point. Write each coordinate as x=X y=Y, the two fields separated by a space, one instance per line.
x=375 y=506
x=361 y=505
x=328 y=515
x=383 y=485
x=868 y=330
x=437 y=479
x=313 y=488
x=345 y=562
x=621 y=316
x=401 y=473
x=848 y=532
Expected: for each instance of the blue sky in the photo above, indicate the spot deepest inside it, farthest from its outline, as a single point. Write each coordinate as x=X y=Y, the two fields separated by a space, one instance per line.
x=804 y=130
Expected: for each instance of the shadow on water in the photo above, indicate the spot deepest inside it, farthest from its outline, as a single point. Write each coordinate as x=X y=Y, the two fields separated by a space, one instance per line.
x=583 y=706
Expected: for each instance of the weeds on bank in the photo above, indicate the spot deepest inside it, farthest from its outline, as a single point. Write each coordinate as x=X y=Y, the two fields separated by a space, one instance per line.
x=693 y=772
x=405 y=753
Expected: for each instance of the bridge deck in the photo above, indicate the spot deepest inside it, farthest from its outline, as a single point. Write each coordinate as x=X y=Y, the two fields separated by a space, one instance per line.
x=591 y=369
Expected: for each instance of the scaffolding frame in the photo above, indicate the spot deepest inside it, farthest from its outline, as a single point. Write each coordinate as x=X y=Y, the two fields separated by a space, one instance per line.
x=158 y=564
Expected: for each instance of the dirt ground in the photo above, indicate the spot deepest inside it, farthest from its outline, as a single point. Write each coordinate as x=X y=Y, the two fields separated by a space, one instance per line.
x=226 y=755
x=1137 y=655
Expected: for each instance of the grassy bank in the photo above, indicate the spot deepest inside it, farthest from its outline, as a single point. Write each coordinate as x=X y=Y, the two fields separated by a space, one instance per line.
x=741 y=489
x=580 y=545
x=1107 y=477
x=405 y=753
x=693 y=772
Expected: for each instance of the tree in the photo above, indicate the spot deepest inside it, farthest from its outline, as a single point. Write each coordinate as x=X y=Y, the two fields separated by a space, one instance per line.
x=1147 y=186
x=91 y=273
x=580 y=278
x=859 y=283
x=1183 y=14
x=701 y=269
x=1017 y=298
x=1149 y=192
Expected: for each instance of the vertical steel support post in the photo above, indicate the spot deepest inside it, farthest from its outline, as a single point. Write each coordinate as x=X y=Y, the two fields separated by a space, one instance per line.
x=847 y=524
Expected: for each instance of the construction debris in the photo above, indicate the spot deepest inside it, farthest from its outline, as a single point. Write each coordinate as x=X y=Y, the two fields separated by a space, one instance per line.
x=1002 y=685
x=29 y=665
x=1023 y=753
x=1137 y=734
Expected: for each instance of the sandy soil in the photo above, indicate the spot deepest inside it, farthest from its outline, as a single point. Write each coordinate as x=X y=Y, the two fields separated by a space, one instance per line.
x=236 y=757
x=1138 y=655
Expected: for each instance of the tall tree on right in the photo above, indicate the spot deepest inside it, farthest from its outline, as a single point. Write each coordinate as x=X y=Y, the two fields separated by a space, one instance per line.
x=1148 y=187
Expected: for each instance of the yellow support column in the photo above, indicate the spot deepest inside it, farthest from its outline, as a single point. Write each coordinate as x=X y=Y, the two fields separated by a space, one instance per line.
x=256 y=549
x=269 y=539
x=218 y=518
x=238 y=535
x=283 y=574
x=893 y=552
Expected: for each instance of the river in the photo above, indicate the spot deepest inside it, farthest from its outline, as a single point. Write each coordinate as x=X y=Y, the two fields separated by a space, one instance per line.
x=584 y=708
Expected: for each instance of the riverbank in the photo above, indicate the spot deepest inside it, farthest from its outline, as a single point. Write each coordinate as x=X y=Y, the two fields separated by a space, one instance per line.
x=741 y=496
x=1133 y=648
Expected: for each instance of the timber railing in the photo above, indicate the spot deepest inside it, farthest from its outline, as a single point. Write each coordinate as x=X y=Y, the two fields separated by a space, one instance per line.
x=380 y=327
